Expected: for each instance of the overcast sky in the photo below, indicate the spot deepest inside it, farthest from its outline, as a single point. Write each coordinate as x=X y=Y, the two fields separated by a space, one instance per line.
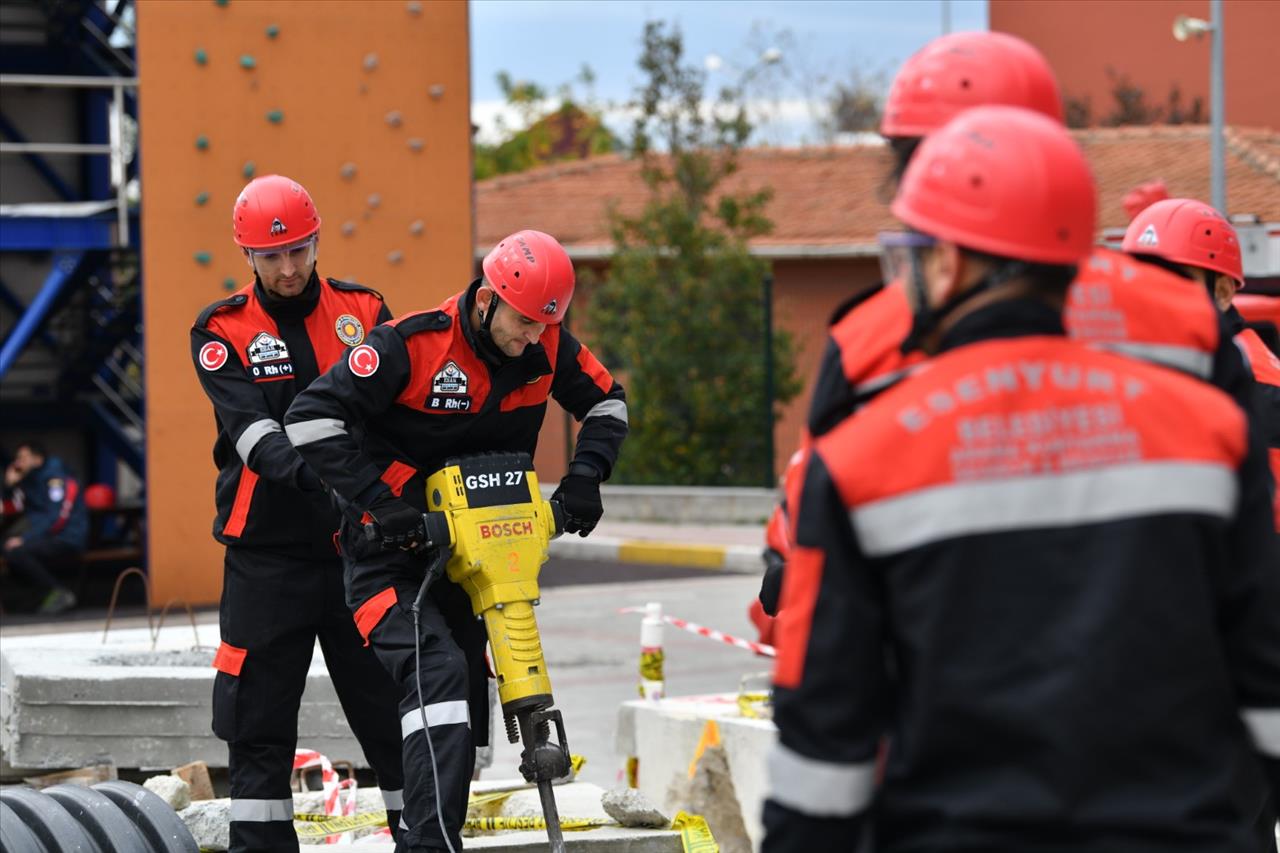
x=548 y=41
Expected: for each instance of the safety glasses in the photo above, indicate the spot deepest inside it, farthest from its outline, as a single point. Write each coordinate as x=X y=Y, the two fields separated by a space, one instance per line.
x=896 y=248
x=302 y=253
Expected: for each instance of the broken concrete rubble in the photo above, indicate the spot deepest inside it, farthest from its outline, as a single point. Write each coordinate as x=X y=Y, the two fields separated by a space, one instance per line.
x=629 y=807
x=174 y=791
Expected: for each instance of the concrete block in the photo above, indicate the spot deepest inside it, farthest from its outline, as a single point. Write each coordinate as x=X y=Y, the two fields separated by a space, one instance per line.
x=629 y=807
x=209 y=822
x=174 y=791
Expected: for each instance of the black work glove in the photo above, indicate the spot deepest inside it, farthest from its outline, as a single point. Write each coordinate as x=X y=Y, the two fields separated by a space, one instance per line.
x=398 y=524
x=771 y=583
x=579 y=494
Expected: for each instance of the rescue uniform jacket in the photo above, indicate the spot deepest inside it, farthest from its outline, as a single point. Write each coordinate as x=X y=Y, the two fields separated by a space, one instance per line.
x=253 y=355
x=1116 y=302
x=418 y=392
x=1265 y=366
x=1046 y=575
x=53 y=503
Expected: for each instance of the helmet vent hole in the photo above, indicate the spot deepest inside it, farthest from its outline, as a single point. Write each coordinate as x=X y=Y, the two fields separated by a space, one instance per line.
x=975 y=181
x=964 y=84
x=1212 y=256
x=517 y=273
x=1064 y=234
x=1208 y=232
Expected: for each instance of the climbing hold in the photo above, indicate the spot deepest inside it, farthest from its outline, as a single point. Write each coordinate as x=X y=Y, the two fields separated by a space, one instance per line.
x=202 y=142
x=416 y=143
x=203 y=258
x=374 y=200
x=394 y=119
x=228 y=283
x=370 y=61
x=221 y=2
x=436 y=91
x=272 y=31
x=348 y=171
x=417 y=227
x=247 y=61
x=395 y=256
x=364 y=89
x=248 y=169
x=413 y=7
x=275 y=116
x=348 y=228
x=202 y=198
x=202 y=58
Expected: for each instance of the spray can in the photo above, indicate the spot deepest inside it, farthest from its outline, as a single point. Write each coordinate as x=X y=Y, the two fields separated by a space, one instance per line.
x=652 y=686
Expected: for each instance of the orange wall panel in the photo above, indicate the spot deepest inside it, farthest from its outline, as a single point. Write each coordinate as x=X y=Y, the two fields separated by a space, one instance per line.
x=355 y=83
x=1135 y=38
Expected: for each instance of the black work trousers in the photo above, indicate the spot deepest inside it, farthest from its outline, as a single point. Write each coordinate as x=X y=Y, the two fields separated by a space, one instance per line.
x=274 y=608
x=455 y=688
x=35 y=559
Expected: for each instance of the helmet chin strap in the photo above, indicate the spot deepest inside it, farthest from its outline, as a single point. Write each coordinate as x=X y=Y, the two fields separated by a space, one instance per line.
x=925 y=318
x=489 y=349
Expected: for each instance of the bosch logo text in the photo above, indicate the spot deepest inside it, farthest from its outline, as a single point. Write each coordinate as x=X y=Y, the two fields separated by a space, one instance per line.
x=504 y=529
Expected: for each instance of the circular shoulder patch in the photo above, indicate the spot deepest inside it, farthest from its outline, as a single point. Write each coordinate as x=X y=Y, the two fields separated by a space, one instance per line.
x=363 y=360
x=213 y=355
x=350 y=330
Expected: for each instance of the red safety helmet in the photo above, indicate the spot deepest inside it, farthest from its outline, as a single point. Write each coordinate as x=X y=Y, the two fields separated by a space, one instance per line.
x=1187 y=231
x=532 y=273
x=1006 y=181
x=273 y=211
x=99 y=496
x=962 y=70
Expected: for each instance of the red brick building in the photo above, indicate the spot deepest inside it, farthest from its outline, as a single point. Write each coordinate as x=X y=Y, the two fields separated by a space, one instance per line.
x=827 y=207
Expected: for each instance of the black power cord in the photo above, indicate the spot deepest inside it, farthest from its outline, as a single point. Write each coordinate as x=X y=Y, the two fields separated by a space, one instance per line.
x=433 y=571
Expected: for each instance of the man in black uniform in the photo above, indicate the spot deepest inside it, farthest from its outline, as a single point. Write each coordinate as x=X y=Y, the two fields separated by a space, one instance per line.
x=472 y=376
x=282 y=582
x=42 y=488
x=1038 y=581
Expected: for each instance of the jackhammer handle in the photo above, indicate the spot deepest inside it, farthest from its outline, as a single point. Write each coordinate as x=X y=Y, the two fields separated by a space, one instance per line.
x=557 y=517
x=435 y=524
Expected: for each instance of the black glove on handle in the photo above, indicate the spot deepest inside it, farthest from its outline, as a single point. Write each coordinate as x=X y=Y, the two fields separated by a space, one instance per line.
x=579 y=494
x=399 y=525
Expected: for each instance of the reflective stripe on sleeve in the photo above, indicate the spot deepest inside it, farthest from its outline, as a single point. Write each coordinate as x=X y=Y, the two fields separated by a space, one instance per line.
x=819 y=788
x=609 y=408
x=1264 y=725
x=261 y=811
x=252 y=434
x=393 y=800
x=1187 y=359
x=305 y=432
x=918 y=518
x=438 y=714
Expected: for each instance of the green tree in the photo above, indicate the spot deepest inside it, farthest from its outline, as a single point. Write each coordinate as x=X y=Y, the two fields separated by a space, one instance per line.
x=680 y=314
x=573 y=130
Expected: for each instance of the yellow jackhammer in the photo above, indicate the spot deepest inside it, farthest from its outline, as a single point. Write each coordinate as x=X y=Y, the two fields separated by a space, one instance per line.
x=490 y=529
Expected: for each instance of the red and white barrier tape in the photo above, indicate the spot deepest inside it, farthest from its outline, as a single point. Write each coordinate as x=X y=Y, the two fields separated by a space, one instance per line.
x=334 y=804
x=710 y=633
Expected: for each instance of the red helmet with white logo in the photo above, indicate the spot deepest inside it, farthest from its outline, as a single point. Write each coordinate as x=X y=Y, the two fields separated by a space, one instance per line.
x=1187 y=231
x=273 y=211
x=1006 y=181
x=962 y=70
x=532 y=273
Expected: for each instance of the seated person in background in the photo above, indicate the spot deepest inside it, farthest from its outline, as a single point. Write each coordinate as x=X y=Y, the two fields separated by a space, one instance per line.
x=40 y=487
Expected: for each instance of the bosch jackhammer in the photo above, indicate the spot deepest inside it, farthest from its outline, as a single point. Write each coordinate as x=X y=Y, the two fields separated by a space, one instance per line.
x=489 y=528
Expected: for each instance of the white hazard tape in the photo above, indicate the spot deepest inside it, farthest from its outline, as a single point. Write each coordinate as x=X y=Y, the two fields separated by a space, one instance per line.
x=711 y=633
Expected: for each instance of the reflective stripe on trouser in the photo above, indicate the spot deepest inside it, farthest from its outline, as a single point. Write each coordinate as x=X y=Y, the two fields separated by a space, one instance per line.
x=454 y=691
x=276 y=609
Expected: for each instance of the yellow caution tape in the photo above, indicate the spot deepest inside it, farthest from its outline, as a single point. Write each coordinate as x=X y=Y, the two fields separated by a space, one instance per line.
x=575 y=763
x=710 y=737
x=496 y=824
x=747 y=705
x=651 y=665
x=308 y=827
x=477 y=800
x=695 y=835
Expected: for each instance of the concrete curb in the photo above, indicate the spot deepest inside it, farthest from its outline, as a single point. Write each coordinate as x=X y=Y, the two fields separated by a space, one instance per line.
x=741 y=559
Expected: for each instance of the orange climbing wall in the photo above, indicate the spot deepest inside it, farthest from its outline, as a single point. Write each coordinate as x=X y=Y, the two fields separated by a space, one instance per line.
x=370 y=102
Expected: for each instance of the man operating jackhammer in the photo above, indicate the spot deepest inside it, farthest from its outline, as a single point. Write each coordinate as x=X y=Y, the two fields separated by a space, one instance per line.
x=472 y=376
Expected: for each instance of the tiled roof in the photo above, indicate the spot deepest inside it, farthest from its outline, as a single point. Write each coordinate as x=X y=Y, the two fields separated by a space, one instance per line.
x=833 y=200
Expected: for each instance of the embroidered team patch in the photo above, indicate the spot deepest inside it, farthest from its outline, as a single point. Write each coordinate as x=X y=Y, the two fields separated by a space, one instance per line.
x=267 y=347
x=213 y=355
x=363 y=361
x=350 y=330
x=450 y=380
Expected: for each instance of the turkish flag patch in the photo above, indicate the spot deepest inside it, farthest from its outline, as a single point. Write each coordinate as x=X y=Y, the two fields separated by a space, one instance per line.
x=213 y=355
x=363 y=361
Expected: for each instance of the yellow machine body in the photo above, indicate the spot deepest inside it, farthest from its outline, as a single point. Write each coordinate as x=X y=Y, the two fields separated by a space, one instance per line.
x=500 y=528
